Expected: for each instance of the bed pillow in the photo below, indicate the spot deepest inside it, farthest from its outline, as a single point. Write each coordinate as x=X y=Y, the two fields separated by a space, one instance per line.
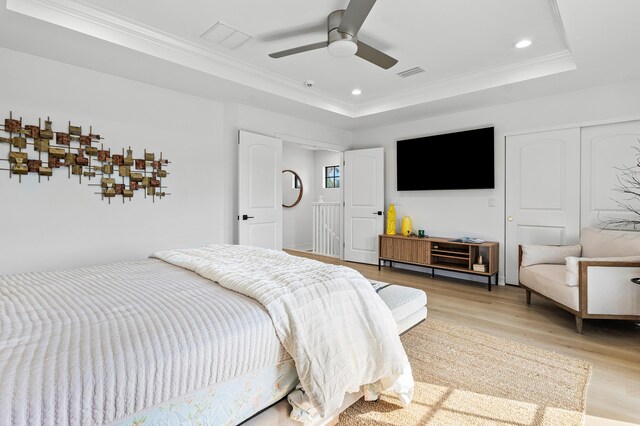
x=536 y=254
x=573 y=263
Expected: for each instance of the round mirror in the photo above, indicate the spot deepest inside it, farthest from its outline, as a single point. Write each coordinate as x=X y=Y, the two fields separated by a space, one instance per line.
x=291 y=188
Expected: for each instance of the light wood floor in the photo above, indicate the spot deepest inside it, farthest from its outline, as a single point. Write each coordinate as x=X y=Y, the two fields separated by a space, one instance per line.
x=613 y=347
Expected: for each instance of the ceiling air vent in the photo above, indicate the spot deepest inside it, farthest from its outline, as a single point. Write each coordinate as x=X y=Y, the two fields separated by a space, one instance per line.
x=225 y=36
x=410 y=72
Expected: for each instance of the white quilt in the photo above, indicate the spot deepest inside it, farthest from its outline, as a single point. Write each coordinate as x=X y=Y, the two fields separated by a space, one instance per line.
x=90 y=346
x=341 y=335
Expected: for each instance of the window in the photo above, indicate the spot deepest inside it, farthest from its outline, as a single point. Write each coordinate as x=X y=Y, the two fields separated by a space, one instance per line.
x=332 y=177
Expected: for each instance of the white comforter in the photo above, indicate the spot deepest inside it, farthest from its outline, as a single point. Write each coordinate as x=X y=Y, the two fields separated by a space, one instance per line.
x=94 y=345
x=341 y=335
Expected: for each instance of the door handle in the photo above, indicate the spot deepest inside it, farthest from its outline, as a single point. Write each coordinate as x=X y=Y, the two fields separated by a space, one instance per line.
x=510 y=218
x=378 y=213
x=245 y=217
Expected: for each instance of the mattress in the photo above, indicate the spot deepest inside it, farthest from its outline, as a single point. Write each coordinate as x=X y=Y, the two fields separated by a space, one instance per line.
x=226 y=403
x=96 y=345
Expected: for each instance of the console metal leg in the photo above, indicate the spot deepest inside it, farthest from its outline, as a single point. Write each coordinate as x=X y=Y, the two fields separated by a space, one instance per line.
x=433 y=273
x=378 y=264
x=489 y=283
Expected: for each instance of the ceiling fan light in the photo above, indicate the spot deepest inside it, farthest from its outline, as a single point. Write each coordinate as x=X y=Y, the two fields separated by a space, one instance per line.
x=342 y=48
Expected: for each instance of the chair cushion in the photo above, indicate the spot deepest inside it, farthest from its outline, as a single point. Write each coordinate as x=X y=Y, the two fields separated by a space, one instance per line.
x=538 y=254
x=549 y=280
x=607 y=243
x=573 y=269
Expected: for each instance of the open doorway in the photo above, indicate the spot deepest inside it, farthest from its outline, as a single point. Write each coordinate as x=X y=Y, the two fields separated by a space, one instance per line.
x=312 y=199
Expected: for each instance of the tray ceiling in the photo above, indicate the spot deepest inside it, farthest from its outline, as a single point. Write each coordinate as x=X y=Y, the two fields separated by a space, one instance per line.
x=463 y=46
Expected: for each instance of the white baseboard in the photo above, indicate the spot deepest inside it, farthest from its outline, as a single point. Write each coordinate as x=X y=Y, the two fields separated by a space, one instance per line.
x=300 y=247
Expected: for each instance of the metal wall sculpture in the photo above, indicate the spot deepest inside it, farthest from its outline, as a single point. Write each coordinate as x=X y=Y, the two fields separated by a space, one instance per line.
x=83 y=155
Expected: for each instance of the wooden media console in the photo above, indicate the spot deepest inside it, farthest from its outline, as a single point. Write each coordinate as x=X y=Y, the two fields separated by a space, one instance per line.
x=440 y=253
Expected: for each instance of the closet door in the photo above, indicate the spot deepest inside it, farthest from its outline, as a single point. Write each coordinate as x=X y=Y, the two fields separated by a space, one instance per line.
x=542 y=192
x=607 y=150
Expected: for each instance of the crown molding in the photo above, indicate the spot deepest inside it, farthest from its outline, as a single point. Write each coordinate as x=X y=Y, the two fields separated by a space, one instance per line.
x=557 y=21
x=99 y=23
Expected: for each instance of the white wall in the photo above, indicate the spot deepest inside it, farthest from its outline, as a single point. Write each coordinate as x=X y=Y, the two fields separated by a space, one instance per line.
x=61 y=223
x=323 y=159
x=466 y=213
x=297 y=222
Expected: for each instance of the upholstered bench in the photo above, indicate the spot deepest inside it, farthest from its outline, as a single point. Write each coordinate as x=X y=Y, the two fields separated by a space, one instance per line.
x=409 y=308
x=408 y=305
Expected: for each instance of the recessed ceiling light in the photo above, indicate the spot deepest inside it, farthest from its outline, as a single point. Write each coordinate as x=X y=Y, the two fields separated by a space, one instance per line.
x=522 y=44
x=356 y=92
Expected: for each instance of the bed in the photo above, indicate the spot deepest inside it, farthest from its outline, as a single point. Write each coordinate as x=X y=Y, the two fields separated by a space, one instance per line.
x=132 y=343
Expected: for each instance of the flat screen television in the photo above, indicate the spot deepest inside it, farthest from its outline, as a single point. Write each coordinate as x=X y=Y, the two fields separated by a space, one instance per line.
x=461 y=160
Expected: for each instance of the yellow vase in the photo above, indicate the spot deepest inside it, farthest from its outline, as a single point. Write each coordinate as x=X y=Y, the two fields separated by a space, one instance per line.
x=406 y=226
x=391 y=220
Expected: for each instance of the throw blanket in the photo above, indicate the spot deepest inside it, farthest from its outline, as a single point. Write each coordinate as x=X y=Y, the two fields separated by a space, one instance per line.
x=340 y=334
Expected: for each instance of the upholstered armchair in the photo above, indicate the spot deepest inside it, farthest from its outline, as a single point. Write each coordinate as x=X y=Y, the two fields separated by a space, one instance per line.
x=592 y=279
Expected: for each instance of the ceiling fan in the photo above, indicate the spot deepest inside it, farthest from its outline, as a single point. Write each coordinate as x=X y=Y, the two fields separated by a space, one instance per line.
x=342 y=36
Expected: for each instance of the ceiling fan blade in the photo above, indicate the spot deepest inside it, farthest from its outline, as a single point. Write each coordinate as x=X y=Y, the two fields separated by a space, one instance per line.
x=375 y=56
x=300 y=49
x=354 y=16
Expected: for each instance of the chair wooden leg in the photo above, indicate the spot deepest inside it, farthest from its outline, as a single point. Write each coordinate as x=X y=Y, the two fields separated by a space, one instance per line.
x=528 y=297
x=579 y=324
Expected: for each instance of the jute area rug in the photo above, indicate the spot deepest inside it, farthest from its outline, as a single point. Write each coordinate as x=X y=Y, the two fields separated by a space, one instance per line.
x=465 y=377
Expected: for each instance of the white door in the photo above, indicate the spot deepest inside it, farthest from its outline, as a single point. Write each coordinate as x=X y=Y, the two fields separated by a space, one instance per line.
x=363 y=180
x=260 y=191
x=542 y=192
x=607 y=152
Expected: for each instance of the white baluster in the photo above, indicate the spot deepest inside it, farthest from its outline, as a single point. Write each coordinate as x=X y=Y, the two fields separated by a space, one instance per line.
x=326 y=228
x=314 y=231
x=331 y=231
